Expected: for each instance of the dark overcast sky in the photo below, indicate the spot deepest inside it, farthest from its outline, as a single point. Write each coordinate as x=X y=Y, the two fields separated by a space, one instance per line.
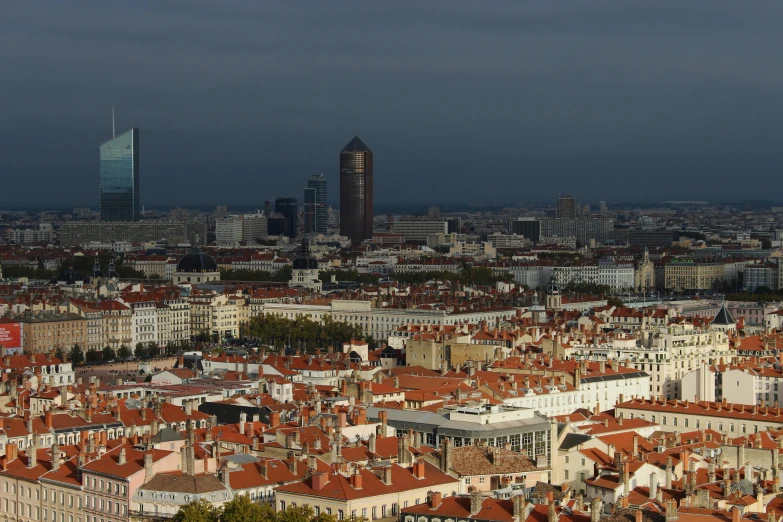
x=460 y=100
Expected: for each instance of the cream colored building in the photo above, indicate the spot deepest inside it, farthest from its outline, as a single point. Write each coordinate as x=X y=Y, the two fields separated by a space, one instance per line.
x=218 y=314
x=683 y=275
x=153 y=266
x=45 y=332
x=665 y=354
x=117 y=324
x=173 y=321
x=380 y=323
x=61 y=491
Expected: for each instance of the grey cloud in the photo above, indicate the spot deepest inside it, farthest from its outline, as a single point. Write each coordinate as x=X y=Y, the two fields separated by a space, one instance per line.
x=239 y=101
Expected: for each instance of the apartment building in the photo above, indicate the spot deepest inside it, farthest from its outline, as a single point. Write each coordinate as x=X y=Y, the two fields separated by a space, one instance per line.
x=761 y=275
x=173 y=321
x=218 y=314
x=82 y=233
x=527 y=275
x=369 y=493
x=666 y=354
x=153 y=266
x=144 y=322
x=616 y=276
x=750 y=383
x=61 y=489
x=582 y=229
x=689 y=275
x=417 y=229
x=723 y=417
x=381 y=322
x=117 y=324
x=20 y=489
x=46 y=332
x=110 y=481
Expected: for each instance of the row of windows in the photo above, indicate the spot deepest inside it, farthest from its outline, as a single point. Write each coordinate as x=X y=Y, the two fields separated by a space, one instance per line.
x=685 y=423
x=106 y=506
x=385 y=510
x=99 y=486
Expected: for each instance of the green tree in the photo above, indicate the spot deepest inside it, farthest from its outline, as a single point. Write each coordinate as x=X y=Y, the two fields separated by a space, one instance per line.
x=109 y=354
x=141 y=351
x=92 y=355
x=60 y=354
x=124 y=352
x=152 y=349
x=75 y=355
x=242 y=509
x=200 y=511
x=615 y=301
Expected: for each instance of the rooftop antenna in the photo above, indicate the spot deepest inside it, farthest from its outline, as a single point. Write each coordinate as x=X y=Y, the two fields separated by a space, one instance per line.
x=113 y=135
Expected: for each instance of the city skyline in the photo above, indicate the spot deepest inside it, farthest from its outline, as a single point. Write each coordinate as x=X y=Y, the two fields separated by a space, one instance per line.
x=515 y=94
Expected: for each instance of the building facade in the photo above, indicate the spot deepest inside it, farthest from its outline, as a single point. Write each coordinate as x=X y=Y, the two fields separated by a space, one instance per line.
x=317 y=183
x=119 y=177
x=82 y=233
x=289 y=209
x=356 y=191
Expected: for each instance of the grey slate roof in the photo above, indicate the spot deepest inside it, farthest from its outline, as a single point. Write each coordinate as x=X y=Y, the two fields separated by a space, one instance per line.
x=723 y=317
x=356 y=145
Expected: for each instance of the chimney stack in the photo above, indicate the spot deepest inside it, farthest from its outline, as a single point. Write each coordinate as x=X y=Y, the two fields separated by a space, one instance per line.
x=148 y=471
x=121 y=461
x=475 y=501
x=550 y=502
x=595 y=510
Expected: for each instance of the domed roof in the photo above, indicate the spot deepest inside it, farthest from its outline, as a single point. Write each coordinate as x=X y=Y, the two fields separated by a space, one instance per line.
x=69 y=276
x=305 y=260
x=197 y=261
x=552 y=289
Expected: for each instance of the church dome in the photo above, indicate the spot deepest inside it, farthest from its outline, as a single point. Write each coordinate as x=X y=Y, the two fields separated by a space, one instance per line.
x=304 y=259
x=553 y=289
x=69 y=276
x=197 y=262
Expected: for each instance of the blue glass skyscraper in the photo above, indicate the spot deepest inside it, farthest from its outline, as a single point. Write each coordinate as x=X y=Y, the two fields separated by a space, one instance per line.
x=318 y=183
x=118 y=173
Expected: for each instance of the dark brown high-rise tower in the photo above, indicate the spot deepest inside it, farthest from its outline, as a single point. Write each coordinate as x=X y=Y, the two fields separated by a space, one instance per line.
x=356 y=191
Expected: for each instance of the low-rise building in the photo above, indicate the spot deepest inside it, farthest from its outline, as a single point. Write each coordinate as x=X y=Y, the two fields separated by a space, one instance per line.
x=369 y=493
x=723 y=417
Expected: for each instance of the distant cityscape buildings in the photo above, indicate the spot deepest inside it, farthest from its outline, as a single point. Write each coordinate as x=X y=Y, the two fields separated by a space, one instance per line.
x=308 y=213
x=356 y=191
x=118 y=175
x=566 y=207
x=288 y=208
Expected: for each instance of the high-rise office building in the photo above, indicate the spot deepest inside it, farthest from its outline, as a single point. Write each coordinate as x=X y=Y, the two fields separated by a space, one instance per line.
x=289 y=209
x=528 y=227
x=356 y=191
x=318 y=183
x=566 y=207
x=118 y=175
x=309 y=214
